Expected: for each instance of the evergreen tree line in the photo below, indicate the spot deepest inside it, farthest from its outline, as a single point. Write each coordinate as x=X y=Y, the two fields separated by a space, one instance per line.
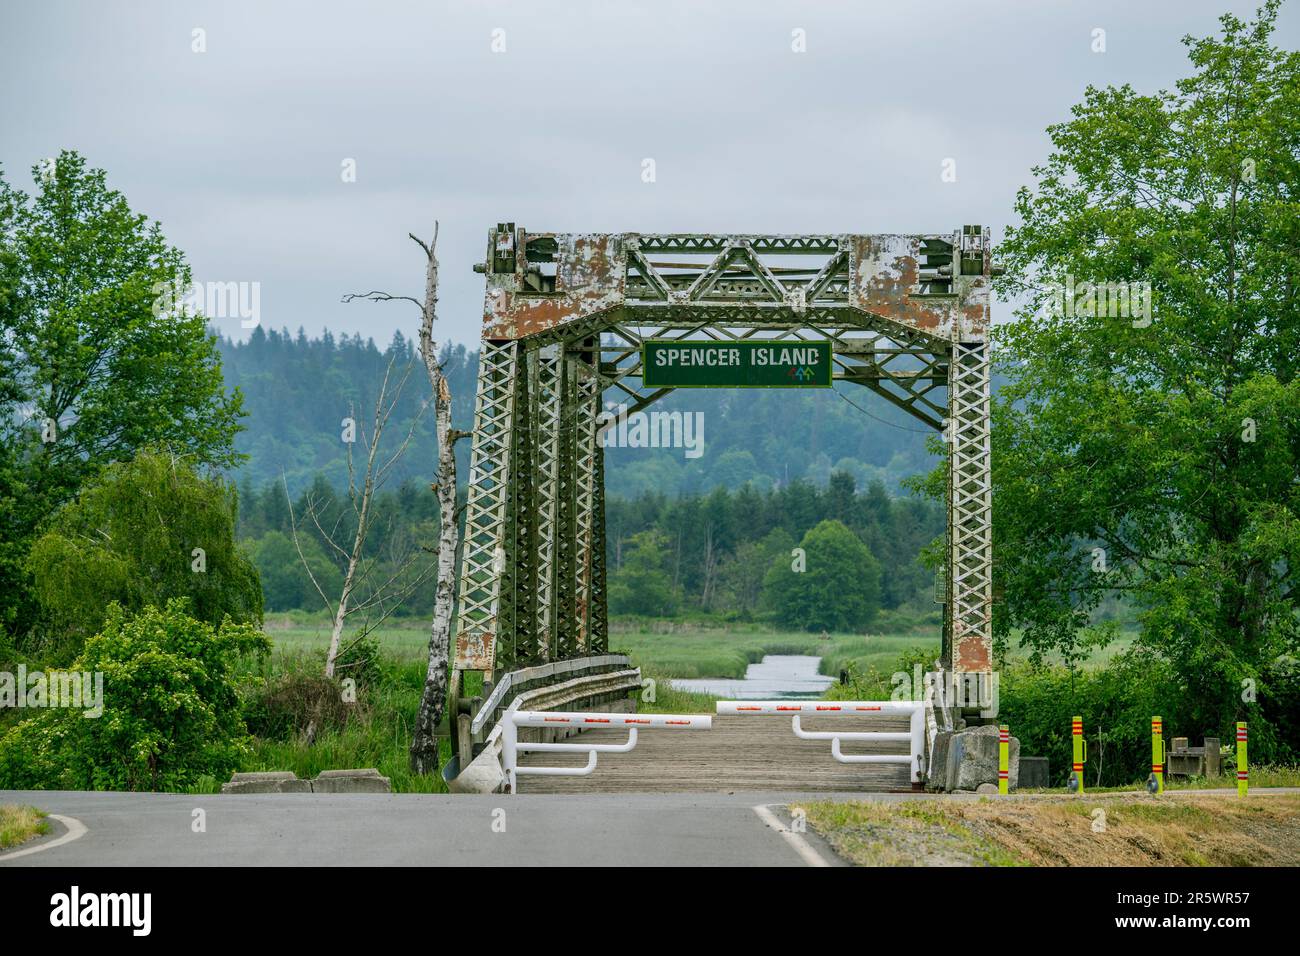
x=734 y=553
x=710 y=554
x=299 y=389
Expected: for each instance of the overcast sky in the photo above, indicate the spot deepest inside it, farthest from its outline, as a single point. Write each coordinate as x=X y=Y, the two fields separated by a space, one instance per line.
x=239 y=150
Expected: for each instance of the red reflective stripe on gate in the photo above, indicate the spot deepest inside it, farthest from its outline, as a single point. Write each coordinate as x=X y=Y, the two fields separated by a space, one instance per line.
x=595 y=720
x=556 y=720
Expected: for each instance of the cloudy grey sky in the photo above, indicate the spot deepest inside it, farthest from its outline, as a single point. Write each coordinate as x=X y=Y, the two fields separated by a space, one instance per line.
x=239 y=150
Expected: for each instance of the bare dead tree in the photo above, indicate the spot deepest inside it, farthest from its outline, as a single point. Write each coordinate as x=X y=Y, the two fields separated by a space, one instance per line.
x=433 y=700
x=363 y=592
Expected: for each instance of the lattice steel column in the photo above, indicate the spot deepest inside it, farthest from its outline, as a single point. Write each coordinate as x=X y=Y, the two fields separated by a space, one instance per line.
x=586 y=410
x=485 y=562
x=563 y=602
x=970 y=502
x=547 y=374
x=599 y=602
x=516 y=645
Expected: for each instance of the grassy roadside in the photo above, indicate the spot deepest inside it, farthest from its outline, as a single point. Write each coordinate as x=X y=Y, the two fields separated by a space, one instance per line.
x=1261 y=775
x=19 y=824
x=1179 y=829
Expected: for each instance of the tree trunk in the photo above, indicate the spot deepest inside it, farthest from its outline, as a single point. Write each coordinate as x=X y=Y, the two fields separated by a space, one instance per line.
x=349 y=580
x=424 y=744
x=433 y=700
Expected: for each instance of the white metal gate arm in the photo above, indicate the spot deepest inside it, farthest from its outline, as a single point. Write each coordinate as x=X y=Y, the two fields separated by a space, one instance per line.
x=548 y=718
x=820 y=708
x=880 y=736
x=914 y=737
x=869 y=758
x=622 y=748
x=584 y=771
x=512 y=720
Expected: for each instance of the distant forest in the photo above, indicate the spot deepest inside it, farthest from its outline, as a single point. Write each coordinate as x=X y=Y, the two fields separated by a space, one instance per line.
x=703 y=531
x=298 y=389
x=698 y=553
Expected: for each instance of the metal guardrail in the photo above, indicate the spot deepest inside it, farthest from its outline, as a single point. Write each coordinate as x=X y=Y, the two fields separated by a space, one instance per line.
x=560 y=686
x=498 y=699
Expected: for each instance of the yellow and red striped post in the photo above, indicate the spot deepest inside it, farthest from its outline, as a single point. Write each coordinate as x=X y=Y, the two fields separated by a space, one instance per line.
x=1004 y=758
x=1080 y=752
x=1243 y=779
x=1158 y=753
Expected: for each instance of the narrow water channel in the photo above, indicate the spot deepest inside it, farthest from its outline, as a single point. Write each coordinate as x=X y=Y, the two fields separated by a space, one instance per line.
x=775 y=677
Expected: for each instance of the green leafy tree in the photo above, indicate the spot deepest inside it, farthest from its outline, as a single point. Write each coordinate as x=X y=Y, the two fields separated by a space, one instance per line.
x=171 y=710
x=1155 y=454
x=143 y=532
x=838 y=588
x=643 y=584
x=741 y=576
x=285 y=582
x=104 y=363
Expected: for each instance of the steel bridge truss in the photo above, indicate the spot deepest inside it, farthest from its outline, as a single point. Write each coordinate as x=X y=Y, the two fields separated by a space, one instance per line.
x=565 y=317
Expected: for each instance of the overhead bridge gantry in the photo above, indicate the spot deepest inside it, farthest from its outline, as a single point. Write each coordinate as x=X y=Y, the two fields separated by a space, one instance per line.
x=565 y=317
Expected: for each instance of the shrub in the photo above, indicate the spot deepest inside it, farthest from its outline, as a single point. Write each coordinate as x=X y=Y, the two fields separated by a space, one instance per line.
x=286 y=705
x=141 y=533
x=1116 y=703
x=171 y=710
x=359 y=660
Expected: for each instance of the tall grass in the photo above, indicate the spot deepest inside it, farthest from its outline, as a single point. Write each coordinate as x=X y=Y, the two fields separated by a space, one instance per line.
x=377 y=735
x=19 y=824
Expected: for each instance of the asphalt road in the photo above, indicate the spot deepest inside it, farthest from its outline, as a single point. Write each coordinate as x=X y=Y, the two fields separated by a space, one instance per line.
x=125 y=829
x=605 y=829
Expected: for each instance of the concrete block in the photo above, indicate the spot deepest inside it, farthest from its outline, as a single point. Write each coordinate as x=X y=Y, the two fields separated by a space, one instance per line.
x=483 y=775
x=1034 y=773
x=351 y=781
x=973 y=759
x=271 y=781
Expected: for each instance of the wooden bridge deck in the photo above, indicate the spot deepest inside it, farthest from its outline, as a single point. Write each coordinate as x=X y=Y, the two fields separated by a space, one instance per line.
x=739 y=753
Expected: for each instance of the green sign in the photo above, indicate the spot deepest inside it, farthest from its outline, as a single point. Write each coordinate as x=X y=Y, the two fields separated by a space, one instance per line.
x=755 y=363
